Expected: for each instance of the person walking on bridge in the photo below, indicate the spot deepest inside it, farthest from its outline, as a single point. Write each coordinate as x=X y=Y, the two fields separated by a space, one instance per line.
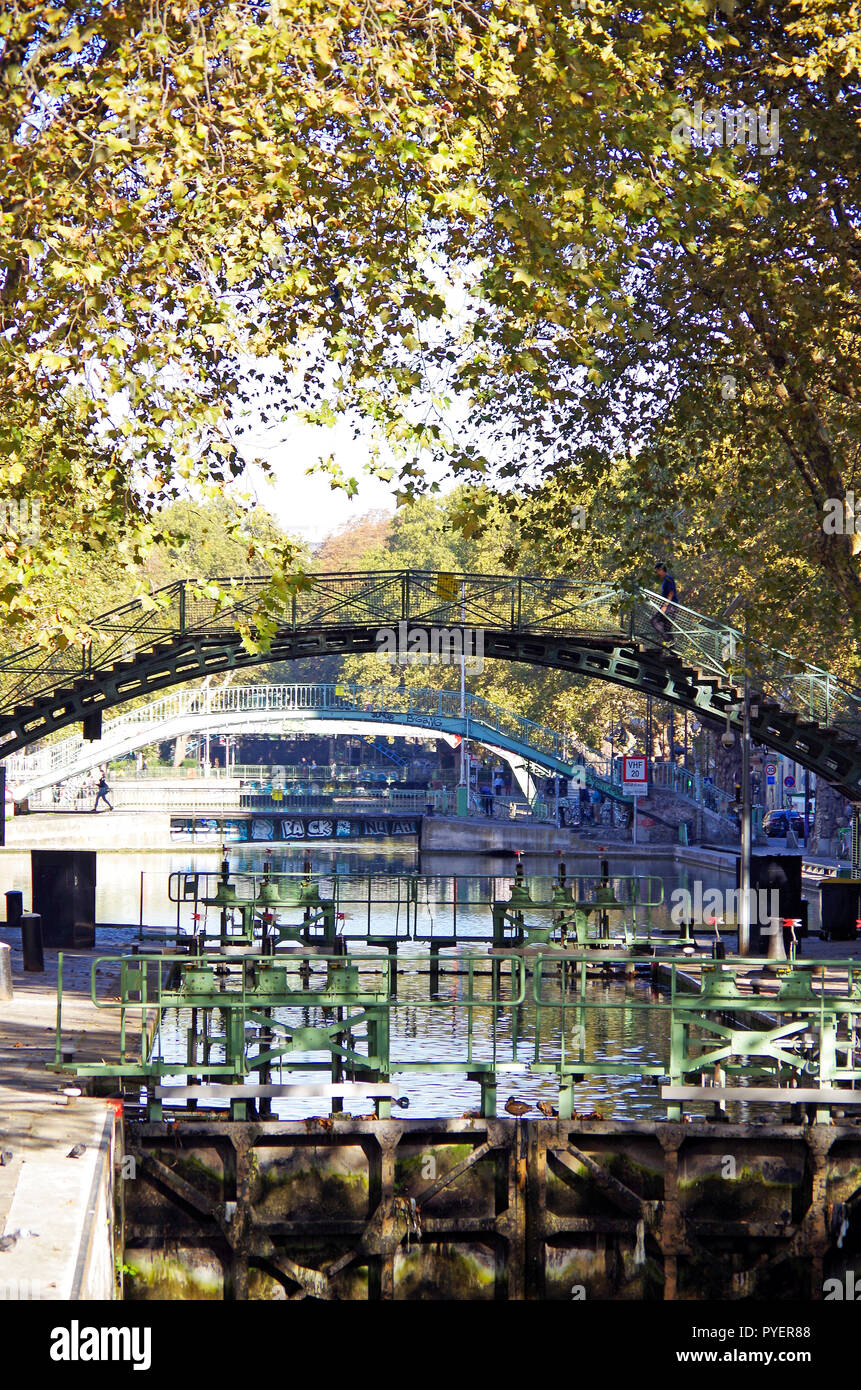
x=102 y=793
x=669 y=594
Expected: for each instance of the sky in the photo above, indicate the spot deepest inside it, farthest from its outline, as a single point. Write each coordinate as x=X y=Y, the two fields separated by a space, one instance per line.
x=309 y=505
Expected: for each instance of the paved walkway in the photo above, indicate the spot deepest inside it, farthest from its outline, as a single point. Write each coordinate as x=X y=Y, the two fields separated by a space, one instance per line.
x=48 y=1200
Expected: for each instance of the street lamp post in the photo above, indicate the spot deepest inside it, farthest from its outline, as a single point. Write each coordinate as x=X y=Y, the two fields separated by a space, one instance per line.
x=744 y=868
x=463 y=797
x=744 y=875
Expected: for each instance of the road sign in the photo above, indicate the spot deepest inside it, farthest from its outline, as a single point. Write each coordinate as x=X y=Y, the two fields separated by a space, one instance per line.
x=635 y=781
x=770 y=781
x=789 y=781
x=771 y=769
x=635 y=776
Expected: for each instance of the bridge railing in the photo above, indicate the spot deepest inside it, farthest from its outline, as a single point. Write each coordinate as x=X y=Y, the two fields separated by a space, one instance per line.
x=226 y=796
x=188 y=610
x=429 y=708
x=437 y=800
x=192 y=607
x=715 y=647
x=133 y=794
x=369 y=775
x=683 y=782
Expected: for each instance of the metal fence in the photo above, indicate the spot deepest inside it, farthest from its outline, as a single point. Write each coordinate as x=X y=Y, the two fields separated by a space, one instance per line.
x=421 y=708
x=195 y=607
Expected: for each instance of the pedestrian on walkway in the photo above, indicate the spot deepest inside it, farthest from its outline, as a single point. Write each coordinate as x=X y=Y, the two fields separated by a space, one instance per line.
x=669 y=594
x=102 y=793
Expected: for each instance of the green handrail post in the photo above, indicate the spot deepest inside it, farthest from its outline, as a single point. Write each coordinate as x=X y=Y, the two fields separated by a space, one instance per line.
x=469 y=1009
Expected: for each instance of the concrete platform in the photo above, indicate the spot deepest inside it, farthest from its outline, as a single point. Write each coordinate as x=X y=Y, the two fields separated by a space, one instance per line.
x=135 y=830
x=56 y=1212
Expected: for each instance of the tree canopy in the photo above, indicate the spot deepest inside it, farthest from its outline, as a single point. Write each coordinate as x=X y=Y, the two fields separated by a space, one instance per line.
x=493 y=232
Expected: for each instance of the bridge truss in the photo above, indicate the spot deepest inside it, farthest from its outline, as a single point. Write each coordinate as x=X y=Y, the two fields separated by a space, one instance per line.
x=189 y=629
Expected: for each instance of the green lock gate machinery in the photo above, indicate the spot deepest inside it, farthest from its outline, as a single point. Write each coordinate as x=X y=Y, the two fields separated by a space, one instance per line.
x=244 y=918
x=567 y=916
x=250 y=906
x=313 y=1012
x=802 y=1030
x=803 y=1038
x=232 y=1027
x=231 y=1024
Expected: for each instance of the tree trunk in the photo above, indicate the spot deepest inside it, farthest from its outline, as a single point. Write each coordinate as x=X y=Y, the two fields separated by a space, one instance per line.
x=727 y=765
x=831 y=811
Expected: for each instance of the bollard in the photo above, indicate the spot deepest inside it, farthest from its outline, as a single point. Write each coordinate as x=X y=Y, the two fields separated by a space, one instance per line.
x=14 y=908
x=776 y=948
x=5 y=970
x=31 y=941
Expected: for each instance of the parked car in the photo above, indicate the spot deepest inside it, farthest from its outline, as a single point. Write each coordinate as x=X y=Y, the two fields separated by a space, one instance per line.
x=776 y=823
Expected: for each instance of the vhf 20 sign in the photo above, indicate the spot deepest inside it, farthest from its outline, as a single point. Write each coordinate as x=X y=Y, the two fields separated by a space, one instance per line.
x=635 y=775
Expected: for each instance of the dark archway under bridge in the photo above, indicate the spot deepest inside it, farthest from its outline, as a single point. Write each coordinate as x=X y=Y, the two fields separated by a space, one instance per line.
x=599 y=631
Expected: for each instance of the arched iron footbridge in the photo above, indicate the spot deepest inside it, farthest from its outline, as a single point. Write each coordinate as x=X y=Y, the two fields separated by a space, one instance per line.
x=342 y=707
x=188 y=630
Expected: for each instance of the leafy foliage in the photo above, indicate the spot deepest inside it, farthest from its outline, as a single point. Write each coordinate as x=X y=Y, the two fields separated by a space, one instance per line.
x=425 y=217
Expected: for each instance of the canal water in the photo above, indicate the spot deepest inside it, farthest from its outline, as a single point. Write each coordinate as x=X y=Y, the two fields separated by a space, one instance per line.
x=627 y=1021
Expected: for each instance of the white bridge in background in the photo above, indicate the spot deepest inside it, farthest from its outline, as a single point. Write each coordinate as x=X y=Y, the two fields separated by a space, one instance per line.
x=282 y=710
x=343 y=708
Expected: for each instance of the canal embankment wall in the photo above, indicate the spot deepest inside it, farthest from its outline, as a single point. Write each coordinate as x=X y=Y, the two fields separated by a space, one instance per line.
x=160 y=830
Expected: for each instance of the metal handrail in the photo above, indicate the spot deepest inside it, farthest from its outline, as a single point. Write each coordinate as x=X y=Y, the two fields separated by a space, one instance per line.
x=720 y=649
x=153 y=1004
x=430 y=708
x=640 y=890
x=717 y=1017
x=384 y=598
